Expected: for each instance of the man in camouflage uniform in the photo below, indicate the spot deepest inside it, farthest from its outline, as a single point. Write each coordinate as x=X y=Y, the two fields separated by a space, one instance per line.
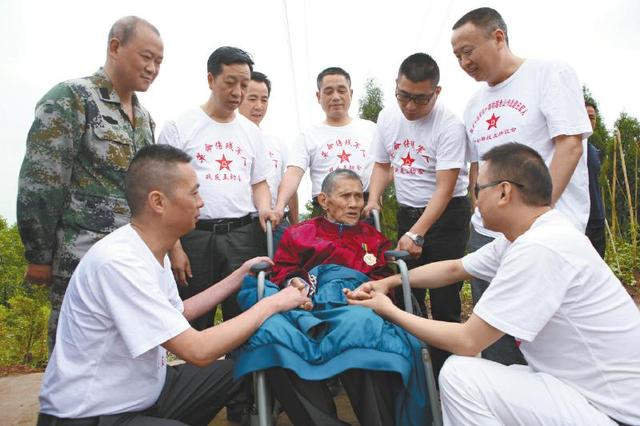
x=85 y=132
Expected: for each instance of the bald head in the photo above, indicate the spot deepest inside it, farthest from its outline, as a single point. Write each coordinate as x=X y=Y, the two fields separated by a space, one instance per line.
x=124 y=28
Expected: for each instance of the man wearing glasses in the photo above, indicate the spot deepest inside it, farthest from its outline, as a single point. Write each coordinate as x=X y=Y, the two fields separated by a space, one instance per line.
x=538 y=103
x=579 y=329
x=426 y=146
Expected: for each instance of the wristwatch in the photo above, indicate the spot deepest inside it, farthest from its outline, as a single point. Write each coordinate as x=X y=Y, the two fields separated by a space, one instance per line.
x=417 y=239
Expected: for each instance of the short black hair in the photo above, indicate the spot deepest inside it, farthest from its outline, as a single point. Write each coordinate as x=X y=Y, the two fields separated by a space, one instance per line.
x=485 y=18
x=332 y=71
x=522 y=164
x=329 y=182
x=152 y=168
x=227 y=55
x=420 y=67
x=590 y=103
x=125 y=28
x=261 y=78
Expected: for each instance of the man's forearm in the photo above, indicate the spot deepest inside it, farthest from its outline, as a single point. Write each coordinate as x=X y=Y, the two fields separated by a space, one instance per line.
x=203 y=302
x=568 y=150
x=457 y=338
x=432 y=275
x=261 y=195
x=201 y=348
x=294 y=210
x=288 y=186
x=445 y=185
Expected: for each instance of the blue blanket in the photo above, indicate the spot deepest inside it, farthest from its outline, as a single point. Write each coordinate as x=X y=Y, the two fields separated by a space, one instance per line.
x=333 y=338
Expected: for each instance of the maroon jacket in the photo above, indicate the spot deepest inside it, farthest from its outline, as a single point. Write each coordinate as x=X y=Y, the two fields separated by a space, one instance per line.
x=318 y=241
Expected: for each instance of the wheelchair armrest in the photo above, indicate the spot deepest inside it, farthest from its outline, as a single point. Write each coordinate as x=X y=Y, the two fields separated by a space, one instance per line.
x=396 y=254
x=259 y=267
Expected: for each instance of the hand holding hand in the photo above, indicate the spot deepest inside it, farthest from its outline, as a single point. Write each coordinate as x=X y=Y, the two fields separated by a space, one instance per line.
x=375 y=300
x=291 y=297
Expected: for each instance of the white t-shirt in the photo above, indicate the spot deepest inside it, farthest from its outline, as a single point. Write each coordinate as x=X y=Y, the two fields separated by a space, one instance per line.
x=278 y=159
x=540 y=101
x=227 y=157
x=323 y=149
x=120 y=306
x=418 y=149
x=551 y=290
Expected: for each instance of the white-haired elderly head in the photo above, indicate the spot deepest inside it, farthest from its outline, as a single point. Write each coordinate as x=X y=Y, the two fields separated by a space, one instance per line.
x=342 y=197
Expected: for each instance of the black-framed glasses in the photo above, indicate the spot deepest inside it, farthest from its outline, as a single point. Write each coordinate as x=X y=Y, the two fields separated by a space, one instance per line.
x=405 y=98
x=477 y=188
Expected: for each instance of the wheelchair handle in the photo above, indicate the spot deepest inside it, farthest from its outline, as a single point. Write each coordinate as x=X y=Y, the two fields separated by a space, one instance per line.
x=260 y=267
x=269 y=239
x=376 y=219
x=396 y=255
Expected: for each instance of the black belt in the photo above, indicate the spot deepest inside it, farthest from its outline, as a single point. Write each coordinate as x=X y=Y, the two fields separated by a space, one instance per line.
x=224 y=226
x=49 y=420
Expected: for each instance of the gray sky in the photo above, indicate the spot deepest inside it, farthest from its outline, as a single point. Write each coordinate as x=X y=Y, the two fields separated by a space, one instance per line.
x=44 y=42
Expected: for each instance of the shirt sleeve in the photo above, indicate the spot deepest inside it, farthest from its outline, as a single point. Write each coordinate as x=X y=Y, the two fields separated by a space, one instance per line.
x=451 y=151
x=299 y=155
x=45 y=175
x=170 y=135
x=143 y=314
x=484 y=262
x=288 y=260
x=526 y=292
x=562 y=103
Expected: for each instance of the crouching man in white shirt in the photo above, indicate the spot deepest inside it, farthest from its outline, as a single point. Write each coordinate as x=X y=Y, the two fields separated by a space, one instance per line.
x=122 y=311
x=578 y=329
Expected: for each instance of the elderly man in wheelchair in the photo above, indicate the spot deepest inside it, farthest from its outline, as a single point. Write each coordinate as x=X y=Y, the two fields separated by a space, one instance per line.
x=377 y=362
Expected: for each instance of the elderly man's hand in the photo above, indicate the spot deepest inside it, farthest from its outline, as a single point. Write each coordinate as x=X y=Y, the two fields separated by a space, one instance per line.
x=300 y=285
x=375 y=300
x=38 y=273
x=406 y=243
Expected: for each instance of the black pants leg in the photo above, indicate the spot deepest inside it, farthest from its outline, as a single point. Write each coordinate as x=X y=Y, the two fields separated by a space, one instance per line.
x=306 y=402
x=447 y=239
x=372 y=395
x=191 y=396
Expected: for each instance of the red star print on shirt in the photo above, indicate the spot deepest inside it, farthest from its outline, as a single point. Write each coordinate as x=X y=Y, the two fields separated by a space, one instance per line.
x=344 y=157
x=493 y=122
x=407 y=161
x=224 y=163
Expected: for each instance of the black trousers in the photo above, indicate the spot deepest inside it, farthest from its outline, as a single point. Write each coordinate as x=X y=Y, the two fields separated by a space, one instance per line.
x=597 y=236
x=445 y=240
x=191 y=396
x=215 y=256
x=309 y=403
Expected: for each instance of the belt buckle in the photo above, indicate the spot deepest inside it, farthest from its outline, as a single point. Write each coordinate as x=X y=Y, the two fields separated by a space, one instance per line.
x=221 y=228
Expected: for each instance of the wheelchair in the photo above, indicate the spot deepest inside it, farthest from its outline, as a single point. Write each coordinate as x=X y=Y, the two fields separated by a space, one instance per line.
x=264 y=414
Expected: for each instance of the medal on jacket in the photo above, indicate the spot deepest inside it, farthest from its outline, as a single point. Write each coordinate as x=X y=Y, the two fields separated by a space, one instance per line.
x=369 y=258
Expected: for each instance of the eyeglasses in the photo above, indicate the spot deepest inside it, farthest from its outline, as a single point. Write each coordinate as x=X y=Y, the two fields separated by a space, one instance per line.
x=405 y=98
x=478 y=188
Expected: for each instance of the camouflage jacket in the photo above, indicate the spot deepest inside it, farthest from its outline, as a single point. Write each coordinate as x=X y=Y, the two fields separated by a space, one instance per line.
x=72 y=177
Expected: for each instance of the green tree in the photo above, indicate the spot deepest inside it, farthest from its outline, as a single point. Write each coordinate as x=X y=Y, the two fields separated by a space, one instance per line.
x=12 y=262
x=371 y=104
x=24 y=309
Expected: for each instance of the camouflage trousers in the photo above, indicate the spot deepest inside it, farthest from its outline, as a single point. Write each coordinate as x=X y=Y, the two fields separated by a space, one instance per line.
x=71 y=246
